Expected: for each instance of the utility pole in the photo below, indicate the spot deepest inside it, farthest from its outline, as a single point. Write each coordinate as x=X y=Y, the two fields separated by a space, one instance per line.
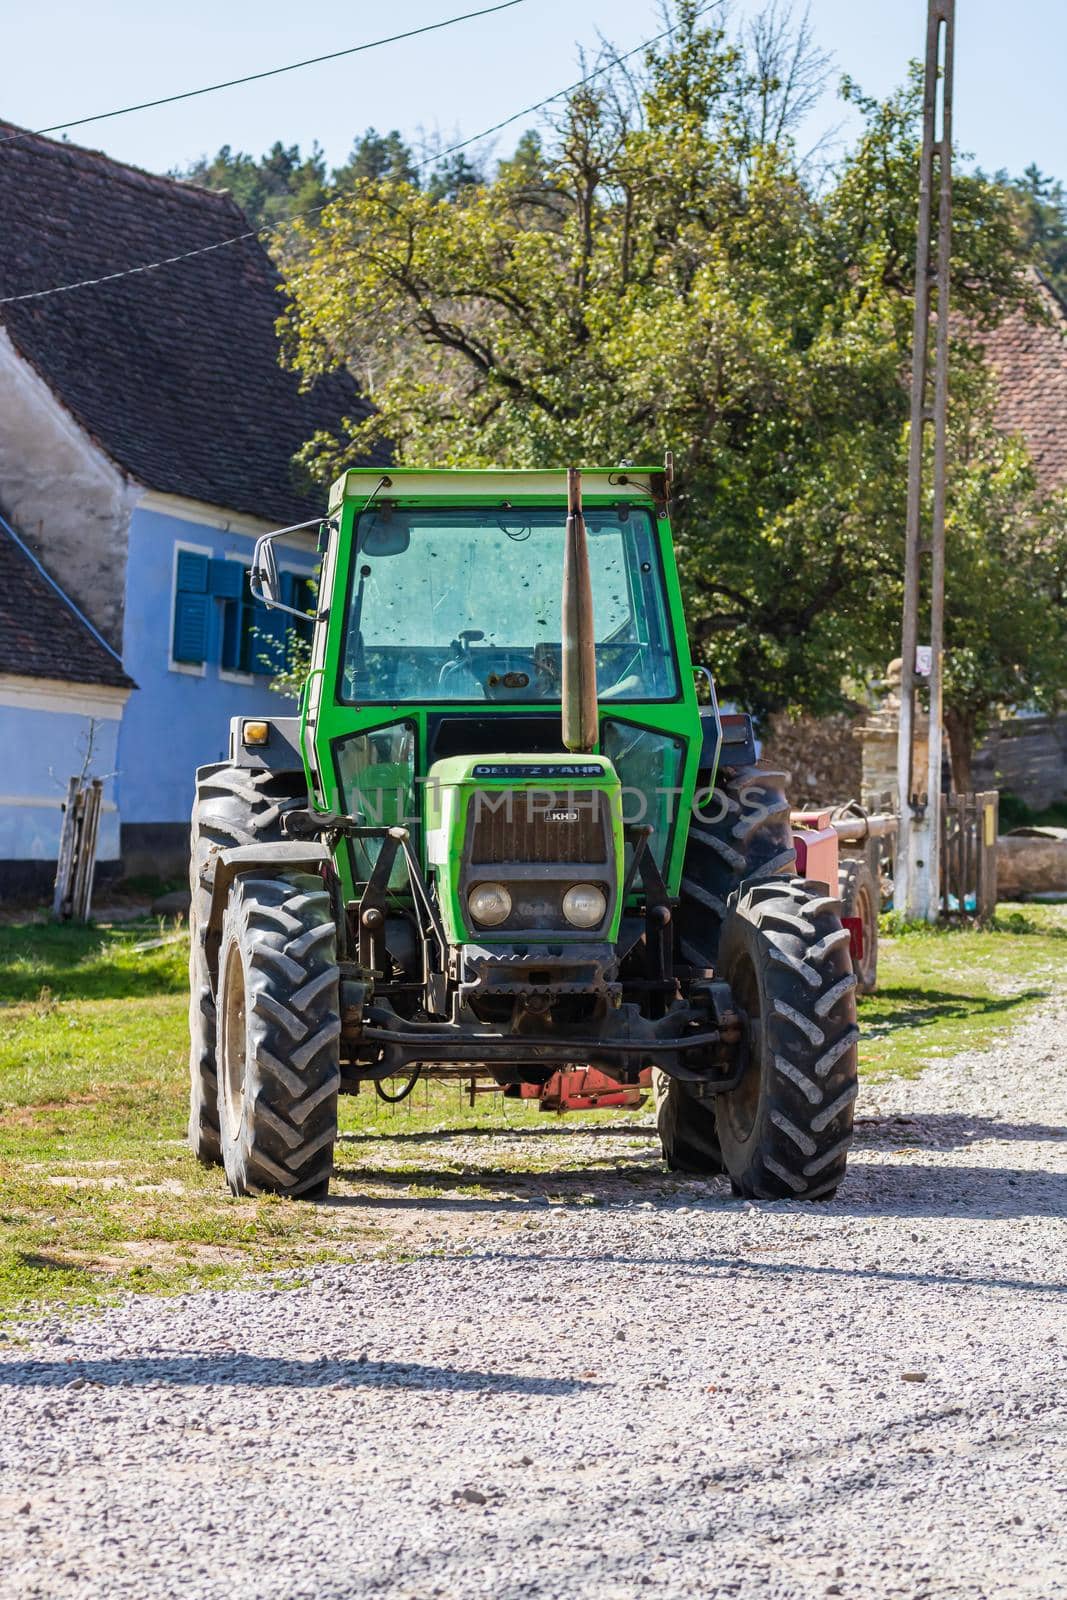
x=917 y=881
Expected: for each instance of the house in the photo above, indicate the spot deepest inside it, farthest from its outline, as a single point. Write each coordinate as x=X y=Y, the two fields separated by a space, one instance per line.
x=147 y=430
x=63 y=691
x=1030 y=362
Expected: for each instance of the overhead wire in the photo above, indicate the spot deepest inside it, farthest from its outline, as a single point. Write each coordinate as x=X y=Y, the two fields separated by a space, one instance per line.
x=340 y=200
x=256 y=77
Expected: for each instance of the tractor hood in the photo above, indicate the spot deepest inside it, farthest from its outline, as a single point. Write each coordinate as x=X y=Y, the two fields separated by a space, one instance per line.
x=536 y=827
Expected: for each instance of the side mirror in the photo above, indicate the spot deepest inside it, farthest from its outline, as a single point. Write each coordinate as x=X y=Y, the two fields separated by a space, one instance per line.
x=263 y=579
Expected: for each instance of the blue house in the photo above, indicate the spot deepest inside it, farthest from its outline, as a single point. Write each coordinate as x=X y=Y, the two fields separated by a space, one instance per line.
x=147 y=433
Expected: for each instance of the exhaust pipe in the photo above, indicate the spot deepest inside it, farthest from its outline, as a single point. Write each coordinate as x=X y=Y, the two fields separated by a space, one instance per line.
x=578 y=663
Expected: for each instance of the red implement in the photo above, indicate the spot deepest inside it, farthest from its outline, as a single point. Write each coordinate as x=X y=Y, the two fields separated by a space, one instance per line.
x=584 y=1089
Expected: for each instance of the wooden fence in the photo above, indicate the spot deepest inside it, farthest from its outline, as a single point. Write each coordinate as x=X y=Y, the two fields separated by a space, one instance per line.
x=76 y=867
x=969 y=825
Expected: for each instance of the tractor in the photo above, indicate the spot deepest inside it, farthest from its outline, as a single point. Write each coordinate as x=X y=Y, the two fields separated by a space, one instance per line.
x=507 y=842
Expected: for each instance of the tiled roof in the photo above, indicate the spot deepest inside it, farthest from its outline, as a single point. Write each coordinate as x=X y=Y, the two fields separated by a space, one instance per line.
x=1030 y=360
x=41 y=635
x=174 y=373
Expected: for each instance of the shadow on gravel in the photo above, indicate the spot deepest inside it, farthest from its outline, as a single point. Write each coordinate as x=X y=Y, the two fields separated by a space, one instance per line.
x=265 y=1372
x=551 y=1130
x=752 y=1266
x=871 y=1189
x=947 y=1130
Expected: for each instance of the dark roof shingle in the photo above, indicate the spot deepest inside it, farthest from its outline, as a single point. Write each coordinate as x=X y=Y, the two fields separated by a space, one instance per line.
x=41 y=636
x=174 y=373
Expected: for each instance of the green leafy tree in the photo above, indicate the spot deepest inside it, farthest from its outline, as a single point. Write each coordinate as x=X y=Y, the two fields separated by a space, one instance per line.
x=663 y=274
x=268 y=188
x=1040 y=205
x=375 y=157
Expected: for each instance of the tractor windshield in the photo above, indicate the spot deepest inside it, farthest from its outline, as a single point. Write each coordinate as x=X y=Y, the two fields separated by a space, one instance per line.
x=460 y=604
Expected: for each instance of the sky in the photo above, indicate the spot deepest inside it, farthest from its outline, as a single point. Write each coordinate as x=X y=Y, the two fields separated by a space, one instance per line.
x=63 y=60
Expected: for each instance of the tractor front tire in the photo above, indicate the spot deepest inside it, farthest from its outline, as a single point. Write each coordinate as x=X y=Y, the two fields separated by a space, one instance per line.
x=233 y=805
x=278 y=1037
x=785 y=1130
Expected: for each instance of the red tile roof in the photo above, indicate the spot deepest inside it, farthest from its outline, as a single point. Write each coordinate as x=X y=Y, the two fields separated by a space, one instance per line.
x=1030 y=361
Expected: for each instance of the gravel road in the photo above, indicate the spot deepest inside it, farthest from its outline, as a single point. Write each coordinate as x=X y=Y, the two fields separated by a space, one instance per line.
x=611 y=1385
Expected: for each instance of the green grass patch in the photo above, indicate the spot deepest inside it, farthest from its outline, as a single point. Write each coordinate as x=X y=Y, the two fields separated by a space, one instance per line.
x=57 y=961
x=943 y=990
x=99 y=1194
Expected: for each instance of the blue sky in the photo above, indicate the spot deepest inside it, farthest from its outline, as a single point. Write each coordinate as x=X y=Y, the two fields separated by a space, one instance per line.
x=63 y=60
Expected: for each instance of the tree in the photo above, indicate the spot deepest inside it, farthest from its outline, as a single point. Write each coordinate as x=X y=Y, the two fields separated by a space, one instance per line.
x=663 y=275
x=375 y=157
x=268 y=188
x=1040 y=206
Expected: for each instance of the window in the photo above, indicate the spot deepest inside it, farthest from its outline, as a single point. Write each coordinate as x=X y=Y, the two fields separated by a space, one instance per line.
x=251 y=638
x=465 y=604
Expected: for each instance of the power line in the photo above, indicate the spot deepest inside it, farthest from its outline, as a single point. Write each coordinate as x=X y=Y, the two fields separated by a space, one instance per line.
x=256 y=77
x=275 y=227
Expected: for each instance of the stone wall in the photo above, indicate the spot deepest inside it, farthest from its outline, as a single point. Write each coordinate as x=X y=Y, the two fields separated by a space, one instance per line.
x=1028 y=757
x=834 y=759
x=821 y=754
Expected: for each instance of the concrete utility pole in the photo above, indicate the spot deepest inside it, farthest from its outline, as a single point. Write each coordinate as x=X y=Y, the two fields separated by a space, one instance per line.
x=917 y=890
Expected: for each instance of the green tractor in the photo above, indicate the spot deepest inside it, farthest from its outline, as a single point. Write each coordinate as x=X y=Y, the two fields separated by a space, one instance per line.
x=505 y=842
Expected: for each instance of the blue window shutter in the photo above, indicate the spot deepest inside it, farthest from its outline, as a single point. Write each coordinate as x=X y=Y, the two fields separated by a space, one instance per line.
x=268 y=639
x=190 y=626
x=226 y=579
x=192 y=572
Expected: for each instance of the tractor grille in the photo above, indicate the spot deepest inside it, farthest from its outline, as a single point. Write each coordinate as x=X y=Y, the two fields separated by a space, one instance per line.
x=531 y=827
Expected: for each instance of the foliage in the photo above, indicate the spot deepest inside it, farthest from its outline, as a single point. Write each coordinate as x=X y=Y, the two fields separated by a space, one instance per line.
x=284 y=183
x=664 y=273
x=269 y=188
x=1040 y=205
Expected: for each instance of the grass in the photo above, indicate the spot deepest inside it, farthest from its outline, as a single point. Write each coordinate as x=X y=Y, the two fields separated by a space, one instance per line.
x=945 y=990
x=98 y=1192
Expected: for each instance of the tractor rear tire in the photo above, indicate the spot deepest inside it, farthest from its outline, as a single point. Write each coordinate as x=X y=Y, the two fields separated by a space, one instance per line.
x=785 y=1130
x=860 y=898
x=686 y=1127
x=742 y=835
x=233 y=805
x=279 y=1033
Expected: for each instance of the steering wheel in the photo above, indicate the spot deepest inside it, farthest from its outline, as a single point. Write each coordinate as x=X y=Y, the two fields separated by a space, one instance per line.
x=461 y=660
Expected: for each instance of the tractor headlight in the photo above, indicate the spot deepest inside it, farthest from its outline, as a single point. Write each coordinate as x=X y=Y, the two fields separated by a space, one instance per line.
x=489 y=904
x=584 y=905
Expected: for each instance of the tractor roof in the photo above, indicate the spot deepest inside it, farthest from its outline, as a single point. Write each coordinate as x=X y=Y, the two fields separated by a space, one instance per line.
x=494 y=483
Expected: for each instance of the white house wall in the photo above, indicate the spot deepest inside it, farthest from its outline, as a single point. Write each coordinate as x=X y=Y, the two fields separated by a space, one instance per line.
x=44 y=733
x=66 y=498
